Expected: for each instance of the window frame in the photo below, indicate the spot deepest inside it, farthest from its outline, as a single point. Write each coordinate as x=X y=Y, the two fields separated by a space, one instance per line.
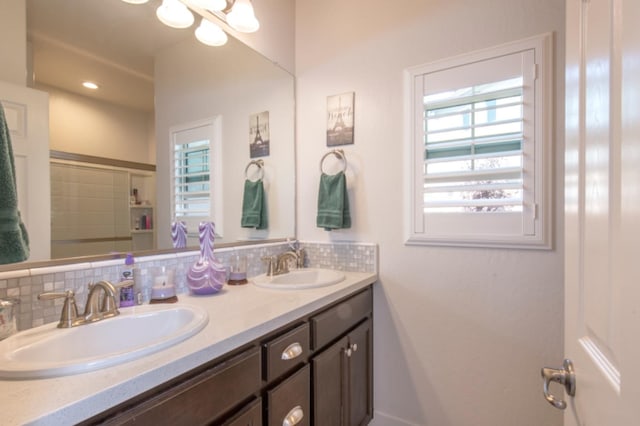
x=483 y=229
x=213 y=129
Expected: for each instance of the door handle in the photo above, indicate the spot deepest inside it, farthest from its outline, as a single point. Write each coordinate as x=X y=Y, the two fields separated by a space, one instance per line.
x=565 y=376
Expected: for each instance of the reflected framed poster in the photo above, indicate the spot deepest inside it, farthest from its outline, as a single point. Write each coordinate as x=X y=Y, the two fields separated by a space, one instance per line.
x=259 y=134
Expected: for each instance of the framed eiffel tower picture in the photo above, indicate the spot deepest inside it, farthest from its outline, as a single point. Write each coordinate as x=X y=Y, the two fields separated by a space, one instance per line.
x=259 y=134
x=340 y=119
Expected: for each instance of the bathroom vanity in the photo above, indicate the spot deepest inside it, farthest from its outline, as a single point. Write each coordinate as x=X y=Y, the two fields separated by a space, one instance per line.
x=266 y=357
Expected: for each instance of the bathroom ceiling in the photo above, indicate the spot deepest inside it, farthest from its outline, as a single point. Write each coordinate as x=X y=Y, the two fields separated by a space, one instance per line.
x=107 y=41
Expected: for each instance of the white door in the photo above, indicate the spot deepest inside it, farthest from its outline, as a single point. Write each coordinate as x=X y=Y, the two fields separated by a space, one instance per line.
x=602 y=213
x=27 y=112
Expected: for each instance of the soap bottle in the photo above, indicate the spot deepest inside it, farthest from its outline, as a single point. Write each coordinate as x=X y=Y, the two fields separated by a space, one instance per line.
x=127 y=298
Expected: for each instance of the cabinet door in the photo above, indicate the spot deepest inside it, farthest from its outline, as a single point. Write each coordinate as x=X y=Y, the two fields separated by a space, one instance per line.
x=360 y=384
x=329 y=369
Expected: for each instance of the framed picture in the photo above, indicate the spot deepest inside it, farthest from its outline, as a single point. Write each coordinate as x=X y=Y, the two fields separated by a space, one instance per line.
x=340 y=119
x=259 y=135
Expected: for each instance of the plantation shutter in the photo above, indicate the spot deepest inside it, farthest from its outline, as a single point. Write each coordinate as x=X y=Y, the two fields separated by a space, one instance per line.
x=479 y=138
x=473 y=148
x=479 y=160
x=191 y=177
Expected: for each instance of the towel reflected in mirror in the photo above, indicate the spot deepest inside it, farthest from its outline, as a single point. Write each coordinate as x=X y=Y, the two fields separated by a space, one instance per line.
x=14 y=240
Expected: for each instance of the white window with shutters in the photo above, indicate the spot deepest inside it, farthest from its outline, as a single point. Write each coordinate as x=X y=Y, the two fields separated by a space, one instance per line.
x=479 y=148
x=196 y=174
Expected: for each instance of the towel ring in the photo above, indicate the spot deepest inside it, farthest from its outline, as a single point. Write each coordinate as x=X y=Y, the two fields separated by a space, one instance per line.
x=339 y=154
x=259 y=164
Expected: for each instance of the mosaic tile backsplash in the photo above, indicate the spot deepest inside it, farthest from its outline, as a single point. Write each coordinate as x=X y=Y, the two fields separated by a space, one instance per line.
x=25 y=285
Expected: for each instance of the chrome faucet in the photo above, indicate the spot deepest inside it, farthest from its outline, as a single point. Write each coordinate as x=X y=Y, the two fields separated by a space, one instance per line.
x=100 y=308
x=282 y=262
x=277 y=265
x=96 y=309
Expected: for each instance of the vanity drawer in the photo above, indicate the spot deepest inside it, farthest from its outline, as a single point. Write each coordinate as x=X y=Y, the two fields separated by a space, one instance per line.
x=202 y=398
x=333 y=322
x=251 y=415
x=291 y=400
x=285 y=352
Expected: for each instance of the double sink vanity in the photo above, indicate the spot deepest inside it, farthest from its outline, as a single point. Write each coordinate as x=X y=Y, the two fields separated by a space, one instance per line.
x=292 y=349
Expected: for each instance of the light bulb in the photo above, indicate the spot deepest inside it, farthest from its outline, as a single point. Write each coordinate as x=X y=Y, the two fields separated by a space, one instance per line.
x=242 y=18
x=210 y=34
x=135 y=1
x=90 y=85
x=174 y=14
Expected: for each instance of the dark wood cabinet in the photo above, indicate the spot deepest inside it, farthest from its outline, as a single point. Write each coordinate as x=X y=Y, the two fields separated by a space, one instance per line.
x=316 y=370
x=289 y=403
x=329 y=369
x=343 y=380
x=285 y=352
x=360 y=375
x=199 y=399
x=250 y=415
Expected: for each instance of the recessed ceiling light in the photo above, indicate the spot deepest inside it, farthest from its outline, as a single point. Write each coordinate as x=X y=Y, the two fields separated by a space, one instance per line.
x=90 y=85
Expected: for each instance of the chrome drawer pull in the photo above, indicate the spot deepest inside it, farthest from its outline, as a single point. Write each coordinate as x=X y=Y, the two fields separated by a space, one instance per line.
x=292 y=351
x=293 y=417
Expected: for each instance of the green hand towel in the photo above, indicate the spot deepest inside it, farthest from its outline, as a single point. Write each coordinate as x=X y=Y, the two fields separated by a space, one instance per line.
x=14 y=240
x=333 y=202
x=254 y=207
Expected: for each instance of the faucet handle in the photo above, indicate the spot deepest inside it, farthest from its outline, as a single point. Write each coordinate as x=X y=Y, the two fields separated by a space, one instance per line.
x=271 y=264
x=69 y=309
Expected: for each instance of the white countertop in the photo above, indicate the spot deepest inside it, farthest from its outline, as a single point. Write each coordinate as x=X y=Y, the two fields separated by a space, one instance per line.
x=237 y=315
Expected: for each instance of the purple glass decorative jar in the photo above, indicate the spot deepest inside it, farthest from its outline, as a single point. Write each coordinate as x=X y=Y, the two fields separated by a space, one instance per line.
x=207 y=275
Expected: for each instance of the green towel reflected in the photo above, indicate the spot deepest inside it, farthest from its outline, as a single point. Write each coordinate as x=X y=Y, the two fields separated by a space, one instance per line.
x=14 y=240
x=333 y=202
x=254 y=205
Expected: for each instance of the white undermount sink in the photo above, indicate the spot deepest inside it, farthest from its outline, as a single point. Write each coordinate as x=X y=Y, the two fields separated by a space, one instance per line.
x=47 y=351
x=300 y=279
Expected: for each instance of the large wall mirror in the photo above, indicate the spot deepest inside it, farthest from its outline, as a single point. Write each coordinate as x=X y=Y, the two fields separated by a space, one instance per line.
x=155 y=81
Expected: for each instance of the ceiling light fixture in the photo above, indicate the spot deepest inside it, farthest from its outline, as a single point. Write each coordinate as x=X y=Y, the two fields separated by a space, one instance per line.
x=174 y=14
x=215 y=5
x=210 y=33
x=90 y=85
x=242 y=18
x=177 y=14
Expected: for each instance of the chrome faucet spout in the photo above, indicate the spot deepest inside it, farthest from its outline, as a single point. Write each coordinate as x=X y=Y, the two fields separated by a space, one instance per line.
x=282 y=264
x=97 y=309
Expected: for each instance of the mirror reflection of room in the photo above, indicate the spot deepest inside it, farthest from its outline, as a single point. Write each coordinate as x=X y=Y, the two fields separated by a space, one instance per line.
x=110 y=145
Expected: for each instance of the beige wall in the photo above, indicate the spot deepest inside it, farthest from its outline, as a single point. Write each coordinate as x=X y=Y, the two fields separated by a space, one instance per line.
x=83 y=125
x=460 y=333
x=13 y=41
